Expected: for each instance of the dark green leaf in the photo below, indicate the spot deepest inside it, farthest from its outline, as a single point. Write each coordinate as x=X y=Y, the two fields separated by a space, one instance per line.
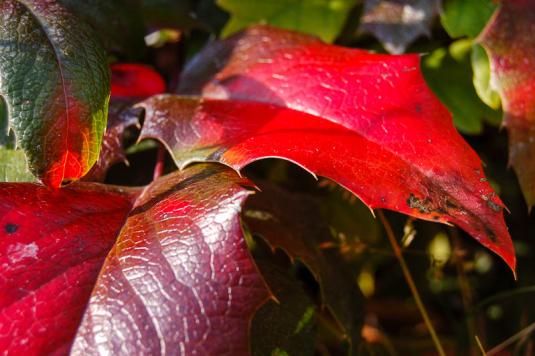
x=293 y=222
x=54 y=79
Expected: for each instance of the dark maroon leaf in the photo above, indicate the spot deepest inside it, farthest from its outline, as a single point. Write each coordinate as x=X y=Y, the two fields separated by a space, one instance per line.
x=180 y=278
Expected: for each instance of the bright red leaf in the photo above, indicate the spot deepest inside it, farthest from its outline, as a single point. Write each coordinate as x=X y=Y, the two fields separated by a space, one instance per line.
x=509 y=40
x=180 y=277
x=52 y=246
x=130 y=80
x=367 y=121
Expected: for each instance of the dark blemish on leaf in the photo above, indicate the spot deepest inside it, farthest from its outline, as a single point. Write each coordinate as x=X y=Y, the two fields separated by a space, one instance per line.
x=490 y=234
x=418 y=108
x=451 y=205
x=494 y=206
x=422 y=205
x=11 y=228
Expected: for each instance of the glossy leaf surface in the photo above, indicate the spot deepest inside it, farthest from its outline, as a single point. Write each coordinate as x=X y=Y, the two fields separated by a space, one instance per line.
x=180 y=277
x=367 y=121
x=397 y=23
x=52 y=246
x=323 y=18
x=509 y=41
x=55 y=81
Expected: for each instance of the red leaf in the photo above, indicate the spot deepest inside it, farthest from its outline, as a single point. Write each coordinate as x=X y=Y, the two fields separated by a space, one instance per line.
x=510 y=43
x=180 y=276
x=130 y=80
x=52 y=245
x=367 y=121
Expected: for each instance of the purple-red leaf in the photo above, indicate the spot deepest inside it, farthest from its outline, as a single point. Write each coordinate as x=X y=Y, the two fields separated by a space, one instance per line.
x=180 y=278
x=52 y=246
x=367 y=121
x=509 y=40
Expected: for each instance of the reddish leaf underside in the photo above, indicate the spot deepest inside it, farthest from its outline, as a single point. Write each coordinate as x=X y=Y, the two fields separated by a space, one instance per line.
x=509 y=40
x=367 y=121
x=52 y=246
x=180 y=278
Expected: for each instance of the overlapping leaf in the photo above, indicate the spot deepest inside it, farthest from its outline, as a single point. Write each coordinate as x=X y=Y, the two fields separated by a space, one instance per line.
x=55 y=81
x=367 y=121
x=509 y=41
x=52 y=246
x=180 y=276
x=396 y=23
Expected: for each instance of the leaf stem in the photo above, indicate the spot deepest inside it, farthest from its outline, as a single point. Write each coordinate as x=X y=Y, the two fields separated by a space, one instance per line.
x=410 y=282
x=160 y=163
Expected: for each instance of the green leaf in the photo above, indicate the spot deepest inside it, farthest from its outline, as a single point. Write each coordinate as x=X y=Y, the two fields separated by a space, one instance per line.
x=466 y=17
x=448 y=73
x=13 y=167
x=481 y=79
x=54 y=78
x=323 y=18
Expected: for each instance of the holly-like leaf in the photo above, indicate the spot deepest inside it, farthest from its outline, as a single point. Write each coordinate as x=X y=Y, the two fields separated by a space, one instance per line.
x=323 y=18
x=510 y=46
x=447 y=71
x=180 y=276
x=294 y=223
x=466 y=17
x=55 y=81
x=396 y=23
x=52 y=246
x=482 y=77
x=367 y=121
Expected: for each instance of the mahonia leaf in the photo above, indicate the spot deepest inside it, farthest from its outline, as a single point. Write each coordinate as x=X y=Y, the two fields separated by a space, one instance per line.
x=448 y=75
x=180 y=276
x=294 y=223
x=396 y=23
x=367 y=121
x=132 y=80
x=55 y=81
x=323 y=18
x=466 y=17
x=52 y=246
x=510 y=44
